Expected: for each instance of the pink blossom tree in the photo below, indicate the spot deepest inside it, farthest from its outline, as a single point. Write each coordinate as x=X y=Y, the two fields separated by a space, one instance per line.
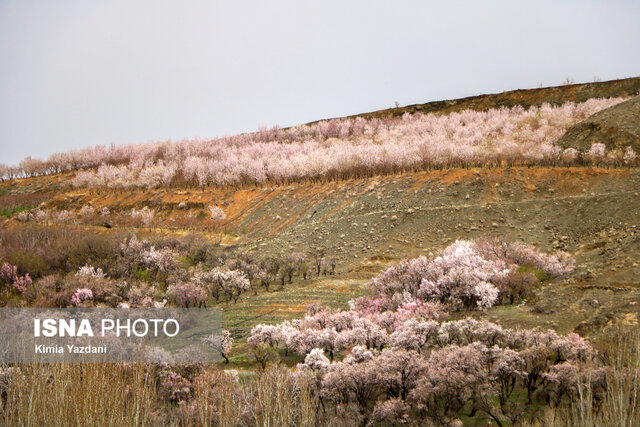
x=216 y=213
x=222 y=343
x=9 y=275
x=336 y=149
x=143 y=216
x=186 y=294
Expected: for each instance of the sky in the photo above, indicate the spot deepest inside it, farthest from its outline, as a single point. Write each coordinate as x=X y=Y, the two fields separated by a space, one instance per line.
x=80 y=73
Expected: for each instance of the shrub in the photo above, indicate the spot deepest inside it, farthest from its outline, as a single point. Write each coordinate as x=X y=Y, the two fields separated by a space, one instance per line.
x=81 y=295
x=9 y=275
x=88 y=272
x=28 y=262
x=174 y=387
x=216 y=213
x=143 y=216
x=96 y=250
x=142 y=274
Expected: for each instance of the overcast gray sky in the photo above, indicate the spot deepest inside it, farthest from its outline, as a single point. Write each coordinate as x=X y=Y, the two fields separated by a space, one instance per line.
x=80 y=73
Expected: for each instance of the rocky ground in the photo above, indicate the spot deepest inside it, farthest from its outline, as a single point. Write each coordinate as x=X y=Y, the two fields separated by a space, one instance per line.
x=616 y=127
x=369 y=223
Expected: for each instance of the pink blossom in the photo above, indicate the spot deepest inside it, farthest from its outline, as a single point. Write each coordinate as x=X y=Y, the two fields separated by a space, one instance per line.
x=90 y=272
x=9 y=275
x=216 y=213
x=334 y=149
x=315 y=361
x=144 y=216
x=81 y=295
x=86 y=211
x=186 y=294
x=630 y=156
x=596 y=152
x=222 y=343
x=486 y=294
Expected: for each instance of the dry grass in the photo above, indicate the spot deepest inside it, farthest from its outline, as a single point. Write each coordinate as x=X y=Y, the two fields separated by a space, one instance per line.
x=274 y=399
x=80 y=395
x=125 y=395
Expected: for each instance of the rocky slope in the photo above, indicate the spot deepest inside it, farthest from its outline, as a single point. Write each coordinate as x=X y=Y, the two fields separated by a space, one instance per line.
x=616 y=127
x=366 y=224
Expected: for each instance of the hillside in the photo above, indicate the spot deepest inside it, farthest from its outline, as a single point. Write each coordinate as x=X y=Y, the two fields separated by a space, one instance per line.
x=522 y=97
x=351 y=147
x=617 y=127
x=569 y=220
x=368 y=223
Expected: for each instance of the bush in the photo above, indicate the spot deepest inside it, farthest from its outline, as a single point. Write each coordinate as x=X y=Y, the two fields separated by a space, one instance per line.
x=94 y=249
x=28 y=262
x=103 y=290
x=203 y=252
x=63 y=299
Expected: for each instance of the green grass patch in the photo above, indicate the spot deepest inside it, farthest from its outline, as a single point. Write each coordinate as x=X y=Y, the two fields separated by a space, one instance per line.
x=540 y=274
x=143 y=274
x=277 y=305
x=186 y=261
x=9 y=212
